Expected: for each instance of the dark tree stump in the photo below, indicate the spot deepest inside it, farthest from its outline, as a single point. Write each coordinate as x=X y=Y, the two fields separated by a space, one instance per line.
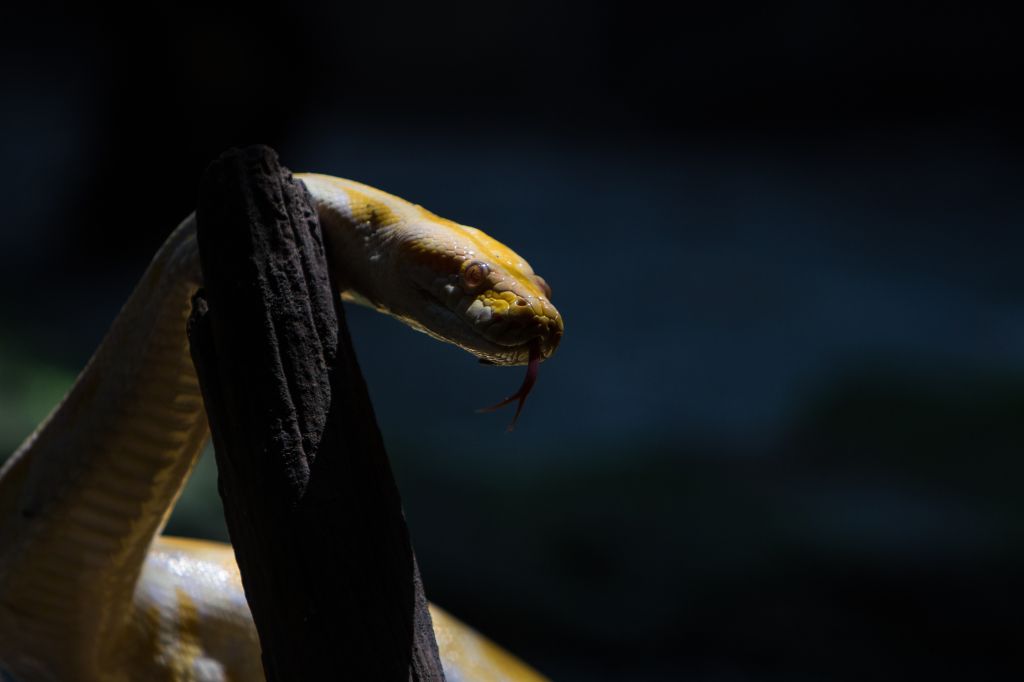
x=311 y=503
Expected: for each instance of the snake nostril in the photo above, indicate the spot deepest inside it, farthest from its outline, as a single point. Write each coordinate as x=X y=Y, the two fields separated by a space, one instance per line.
x=521 y=302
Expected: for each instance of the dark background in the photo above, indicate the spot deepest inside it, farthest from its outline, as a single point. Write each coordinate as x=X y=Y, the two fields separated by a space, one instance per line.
x=782 y=438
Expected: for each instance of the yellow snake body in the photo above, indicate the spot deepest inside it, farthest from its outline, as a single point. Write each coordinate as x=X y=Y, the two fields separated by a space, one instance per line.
x=89 y=590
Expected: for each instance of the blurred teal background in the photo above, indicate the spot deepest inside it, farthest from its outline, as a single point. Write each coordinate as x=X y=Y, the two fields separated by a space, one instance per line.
x=782 y=437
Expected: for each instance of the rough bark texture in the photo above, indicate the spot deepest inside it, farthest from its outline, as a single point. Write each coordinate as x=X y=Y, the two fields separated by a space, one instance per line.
x=311 y=503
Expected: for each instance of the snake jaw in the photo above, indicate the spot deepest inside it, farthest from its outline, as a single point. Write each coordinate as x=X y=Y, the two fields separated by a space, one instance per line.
x=532 y=369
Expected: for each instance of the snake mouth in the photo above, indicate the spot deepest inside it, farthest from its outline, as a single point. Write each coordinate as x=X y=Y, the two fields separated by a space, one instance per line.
x=494 y=341
x=534 y=342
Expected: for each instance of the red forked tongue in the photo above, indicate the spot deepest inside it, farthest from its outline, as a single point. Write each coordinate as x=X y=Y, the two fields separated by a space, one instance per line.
x=524 y=390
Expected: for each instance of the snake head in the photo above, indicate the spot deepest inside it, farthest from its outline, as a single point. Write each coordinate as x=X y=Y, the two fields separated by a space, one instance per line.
x=448 y=280
x=479 y=294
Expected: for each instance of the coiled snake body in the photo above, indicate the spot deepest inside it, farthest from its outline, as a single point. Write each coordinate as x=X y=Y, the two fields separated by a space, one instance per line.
x=89 y=590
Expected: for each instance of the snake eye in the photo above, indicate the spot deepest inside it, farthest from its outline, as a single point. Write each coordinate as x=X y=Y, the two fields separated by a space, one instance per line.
x=475 y=273
x=543 y=285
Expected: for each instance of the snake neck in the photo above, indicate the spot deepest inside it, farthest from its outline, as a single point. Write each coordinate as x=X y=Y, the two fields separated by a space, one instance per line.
x=362 y=226
x=83 y=497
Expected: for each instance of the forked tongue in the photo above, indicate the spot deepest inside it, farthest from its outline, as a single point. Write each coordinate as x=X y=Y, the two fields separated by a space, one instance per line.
x=524 y=390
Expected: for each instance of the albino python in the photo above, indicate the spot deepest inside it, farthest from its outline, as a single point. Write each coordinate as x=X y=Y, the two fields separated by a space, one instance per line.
x=89 y=590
